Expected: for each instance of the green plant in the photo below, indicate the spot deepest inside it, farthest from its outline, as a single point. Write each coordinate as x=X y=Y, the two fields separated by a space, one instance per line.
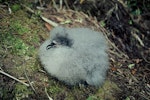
x=15 y=7
x=16 y=26
x=21 y=92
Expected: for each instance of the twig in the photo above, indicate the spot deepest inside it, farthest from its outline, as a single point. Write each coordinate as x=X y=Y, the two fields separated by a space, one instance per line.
x=54 y=4
x=40 y=3
x=115 y=47
x=66 y=3
x=49 y=21
x=48 y=94
x=29 y=9
x=137 y=38
x=4 y=73
x=115 y=53
x=29 y=81
x=45 y=19
x=60 y=3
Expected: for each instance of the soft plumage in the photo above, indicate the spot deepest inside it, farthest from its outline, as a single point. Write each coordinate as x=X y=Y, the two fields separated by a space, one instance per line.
x=73 y=55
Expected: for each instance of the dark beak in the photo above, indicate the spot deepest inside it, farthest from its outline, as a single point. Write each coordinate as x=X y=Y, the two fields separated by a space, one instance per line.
x=53 y=44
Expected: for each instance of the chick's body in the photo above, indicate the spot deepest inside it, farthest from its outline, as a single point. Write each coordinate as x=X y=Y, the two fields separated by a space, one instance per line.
x=78 y=54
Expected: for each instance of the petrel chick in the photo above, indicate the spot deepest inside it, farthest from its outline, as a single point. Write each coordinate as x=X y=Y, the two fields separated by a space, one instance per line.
x=75 y=55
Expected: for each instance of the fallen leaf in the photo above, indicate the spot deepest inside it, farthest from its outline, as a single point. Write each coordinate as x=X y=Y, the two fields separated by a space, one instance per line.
x=133 y=71
x=113 y=68
x=48 y=26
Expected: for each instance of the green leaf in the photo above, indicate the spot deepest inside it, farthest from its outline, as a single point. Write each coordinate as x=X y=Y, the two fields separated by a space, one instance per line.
x=131 y=66
x=102 y=23
x=15 y=7
x=138 y=11
x=91 y=98
x=66 y=22
x=127 y=98
x=130 y=22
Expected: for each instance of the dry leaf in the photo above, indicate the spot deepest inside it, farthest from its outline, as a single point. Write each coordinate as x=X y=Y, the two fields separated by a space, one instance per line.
x=113 y=68
x=48 y=26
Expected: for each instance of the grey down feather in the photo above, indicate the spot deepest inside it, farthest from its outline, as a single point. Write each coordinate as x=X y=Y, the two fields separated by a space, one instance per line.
x=75 y=55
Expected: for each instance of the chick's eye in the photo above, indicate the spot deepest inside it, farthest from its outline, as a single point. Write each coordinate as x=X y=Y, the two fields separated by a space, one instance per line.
x=52 y=44
x=65 y=41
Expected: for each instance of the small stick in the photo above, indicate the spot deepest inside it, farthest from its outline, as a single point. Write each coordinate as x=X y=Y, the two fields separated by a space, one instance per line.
x=4 y=73
x=29 y=82
x=48 y=94
x=137 y=38
x=60 y=2
x=54 y=4
x=29 y=9
x=45 y=19
x=49 y=21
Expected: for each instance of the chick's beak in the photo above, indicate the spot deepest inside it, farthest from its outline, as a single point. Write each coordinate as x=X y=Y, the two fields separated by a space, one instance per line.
x=53 y=44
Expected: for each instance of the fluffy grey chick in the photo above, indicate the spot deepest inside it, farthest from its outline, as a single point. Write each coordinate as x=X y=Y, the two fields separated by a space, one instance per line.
x=74 y=55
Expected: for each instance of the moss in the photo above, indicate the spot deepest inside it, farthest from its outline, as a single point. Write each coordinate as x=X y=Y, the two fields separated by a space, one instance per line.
x=106 y=92
x=18 y=27
x=54 y=89
x=21 y=92
x=92 y=98
x=15 y=7
x=19 y=40
x=13 y=44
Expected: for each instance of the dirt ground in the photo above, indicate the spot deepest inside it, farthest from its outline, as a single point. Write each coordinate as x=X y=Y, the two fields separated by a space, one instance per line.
x=22 y=31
